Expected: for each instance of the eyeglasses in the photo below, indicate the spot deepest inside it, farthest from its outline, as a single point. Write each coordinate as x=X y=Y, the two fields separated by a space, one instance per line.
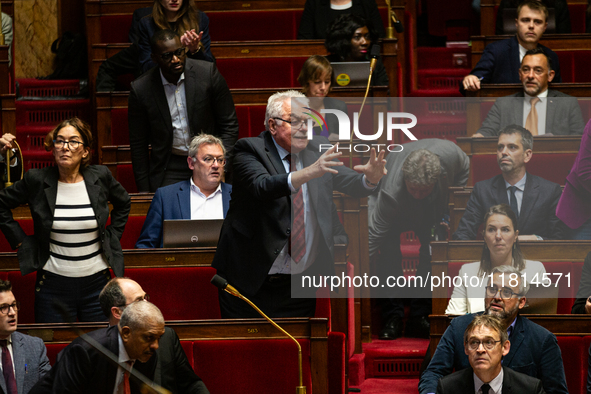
x=488 y=344
x=4 y=308
x=146 y=297
x=208 y=160
x=505 y=292
x=72 y=145
x=167 y=56
x=296 y=124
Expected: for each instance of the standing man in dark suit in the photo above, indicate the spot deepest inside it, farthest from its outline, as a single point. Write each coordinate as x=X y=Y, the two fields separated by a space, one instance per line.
x=83 y=369
x=534 y=350
x=24 y=358
x=203 y=196
x=173 y=371
x=170 y=104
x=280 y=165
x=533 y=199
x=412 y=197
x=486 y=343
x=501 y=60
x=552 y=112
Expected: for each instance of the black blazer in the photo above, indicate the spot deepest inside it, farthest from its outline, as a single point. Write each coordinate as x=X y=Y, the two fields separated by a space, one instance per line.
x=257 y=225
x=38 y=188
x=82 y=369
x=173 y=371
x=209 y=106
x=513 y=383
x=316 y=17
x=538 y=208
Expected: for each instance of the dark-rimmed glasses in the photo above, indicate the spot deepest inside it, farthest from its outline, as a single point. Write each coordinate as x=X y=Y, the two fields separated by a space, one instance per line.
x=296 y=124
x=16 y=305
x=506 y=293
x=488 y=344
x=167 y=56
x=72 y=145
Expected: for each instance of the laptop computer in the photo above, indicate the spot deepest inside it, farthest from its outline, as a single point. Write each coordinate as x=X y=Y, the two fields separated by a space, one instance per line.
x=191 y=233
x=351 y=73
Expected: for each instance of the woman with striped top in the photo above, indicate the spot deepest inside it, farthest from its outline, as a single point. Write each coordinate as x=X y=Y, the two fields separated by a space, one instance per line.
x=72 y=248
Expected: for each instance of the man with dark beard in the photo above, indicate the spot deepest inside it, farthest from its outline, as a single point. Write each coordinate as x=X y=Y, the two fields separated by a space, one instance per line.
x=534 y=350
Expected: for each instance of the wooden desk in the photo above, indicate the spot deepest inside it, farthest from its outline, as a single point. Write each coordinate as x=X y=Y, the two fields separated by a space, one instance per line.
x=444 y=252
x=312 y=329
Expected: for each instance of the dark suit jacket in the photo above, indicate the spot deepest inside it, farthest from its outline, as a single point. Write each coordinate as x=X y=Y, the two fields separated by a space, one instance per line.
x=30 y=362
x=538 y=208
x=38 y=188
x=534 y=352
x=82 y=369
x=173 y=370
x=316 y=17
x=210 y=108
x=563 y=114
x=500 y=63
x=513 y=383
x=258 y=226
x=169 y=203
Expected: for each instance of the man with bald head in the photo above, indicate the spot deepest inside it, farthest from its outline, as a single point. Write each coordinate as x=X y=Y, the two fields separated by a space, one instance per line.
x=81 y=368
x=173 y=371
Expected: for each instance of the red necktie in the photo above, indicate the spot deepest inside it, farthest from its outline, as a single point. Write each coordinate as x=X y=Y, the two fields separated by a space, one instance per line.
x=124 y=387
x=297 y=240
x=7 y=369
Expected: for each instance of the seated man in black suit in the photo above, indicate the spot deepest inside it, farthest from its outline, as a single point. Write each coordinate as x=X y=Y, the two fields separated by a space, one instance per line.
x=533 y=199
x=486 y=343
x=540 y=110
x=83 y=369
x=500 y=60
x=171 y=103
x=534 y=350
x=173 y=371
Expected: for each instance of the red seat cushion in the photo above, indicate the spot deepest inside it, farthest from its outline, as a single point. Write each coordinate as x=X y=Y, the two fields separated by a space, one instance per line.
x=119 y=127
x=262 y=72
x=574 y=358
x=566 y=289
x=23 y=288
x=126 y=178
x=132 y=231
x=255 y=366
x=53 y=349
x=262 y=25
x=181 y=293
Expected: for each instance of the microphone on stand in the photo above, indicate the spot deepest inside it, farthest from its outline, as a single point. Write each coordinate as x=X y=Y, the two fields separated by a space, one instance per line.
x=397 y=23
x=223 y=284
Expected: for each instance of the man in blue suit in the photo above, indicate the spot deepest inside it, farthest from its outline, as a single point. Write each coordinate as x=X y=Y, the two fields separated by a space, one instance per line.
x=534 y=350
x=501 y=60
x=203 y=196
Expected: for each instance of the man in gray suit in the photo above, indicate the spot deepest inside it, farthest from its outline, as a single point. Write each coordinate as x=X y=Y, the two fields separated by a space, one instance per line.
x=552 y=112
x=24 y=358
x=168 y=106
x=413 y=196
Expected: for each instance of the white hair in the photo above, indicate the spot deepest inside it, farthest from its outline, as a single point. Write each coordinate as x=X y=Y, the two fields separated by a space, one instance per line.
x=275 y=104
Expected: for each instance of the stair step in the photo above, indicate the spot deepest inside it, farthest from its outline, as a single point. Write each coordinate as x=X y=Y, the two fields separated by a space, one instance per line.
x=399 y=358
x=390 y=386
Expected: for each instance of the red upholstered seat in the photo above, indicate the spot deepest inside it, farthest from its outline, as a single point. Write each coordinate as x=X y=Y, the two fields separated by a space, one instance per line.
x=119 y=127
x=53 y=349
x=566 y=287
x=126 y=178
x=550 y=166
x=27 y=226
x=251 y=366
x=182 y=293
x=115 y=28
x=336 y=363
x=574 y=358
x=262 y=72
x=254 y=25
x=132 y=231
x=188 y=348
x=23 y=288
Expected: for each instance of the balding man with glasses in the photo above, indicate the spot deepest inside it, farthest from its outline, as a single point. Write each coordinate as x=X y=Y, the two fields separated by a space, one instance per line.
x=202 y=196
x=534 y=350
x=171 y=103
x=24 y=358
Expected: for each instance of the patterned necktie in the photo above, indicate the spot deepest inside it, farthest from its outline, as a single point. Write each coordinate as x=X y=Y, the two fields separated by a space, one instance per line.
x=297 y=240
x=531 y=123
x=513 y=201
x=485 y=387
x=7 y=369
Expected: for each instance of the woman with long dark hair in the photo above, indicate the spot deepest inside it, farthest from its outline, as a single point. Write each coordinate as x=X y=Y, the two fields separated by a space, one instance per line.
x=501 y=247
x=182 y=17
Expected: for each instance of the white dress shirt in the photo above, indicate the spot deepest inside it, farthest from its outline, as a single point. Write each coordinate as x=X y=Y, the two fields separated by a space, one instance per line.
x=177 y=106
x=496 y=385
x=9 y=347
x=541 y=107
x=123 y=358
x=210 y=207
